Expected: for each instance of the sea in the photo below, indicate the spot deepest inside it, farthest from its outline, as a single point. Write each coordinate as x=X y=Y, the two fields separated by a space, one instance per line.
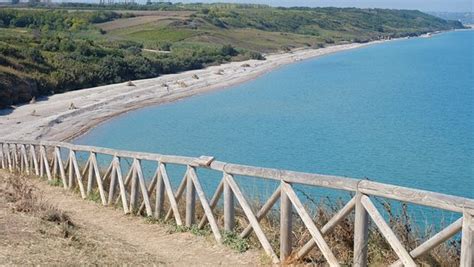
x=400 y=112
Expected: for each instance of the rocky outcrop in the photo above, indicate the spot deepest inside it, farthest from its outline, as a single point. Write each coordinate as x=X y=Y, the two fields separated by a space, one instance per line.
x=15 y=89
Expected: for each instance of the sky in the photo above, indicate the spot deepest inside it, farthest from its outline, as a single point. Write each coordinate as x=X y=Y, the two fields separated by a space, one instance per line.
x=423 y=5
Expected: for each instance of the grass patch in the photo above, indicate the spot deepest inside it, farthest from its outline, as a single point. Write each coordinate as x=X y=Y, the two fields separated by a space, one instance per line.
x=199 y=232
x=173 y=228
x=153 y=220
x=56 y=182
x=24 y=198
x=235 y=242
x=60 y=218
x=94 y=196
x=162 y=34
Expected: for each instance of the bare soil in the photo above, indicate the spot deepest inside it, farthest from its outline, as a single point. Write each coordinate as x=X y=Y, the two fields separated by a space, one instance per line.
x=131 y=22
x=143 y=17
x=41 y=224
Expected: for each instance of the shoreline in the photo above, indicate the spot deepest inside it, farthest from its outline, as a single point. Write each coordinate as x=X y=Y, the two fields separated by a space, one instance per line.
x=53 y=120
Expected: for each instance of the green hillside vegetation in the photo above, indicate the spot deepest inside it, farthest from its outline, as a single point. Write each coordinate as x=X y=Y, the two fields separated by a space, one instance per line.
x=76 y=46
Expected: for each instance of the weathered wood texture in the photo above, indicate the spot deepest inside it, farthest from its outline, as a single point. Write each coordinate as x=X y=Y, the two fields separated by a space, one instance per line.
x=205 y=204
x=434 y=241
x=138 y=194
x=308 y=221
x=389 y=235
x=333 y=222
x=285 y=226
x=467 y=241
x=361 y=233
x=190 y=201
x=229 y=210
x=251 y=217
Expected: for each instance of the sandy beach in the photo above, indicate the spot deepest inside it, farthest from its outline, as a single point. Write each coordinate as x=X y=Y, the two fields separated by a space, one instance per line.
x=53 y=118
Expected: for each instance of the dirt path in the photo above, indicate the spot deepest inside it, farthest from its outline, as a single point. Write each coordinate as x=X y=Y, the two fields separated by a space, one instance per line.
x=117 y=238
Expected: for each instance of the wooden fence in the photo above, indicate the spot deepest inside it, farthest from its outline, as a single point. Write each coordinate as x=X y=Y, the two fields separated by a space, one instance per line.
x=58 y=159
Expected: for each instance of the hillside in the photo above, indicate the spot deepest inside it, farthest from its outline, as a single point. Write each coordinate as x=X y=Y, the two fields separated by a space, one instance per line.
x=45 y=52
x=466 y=18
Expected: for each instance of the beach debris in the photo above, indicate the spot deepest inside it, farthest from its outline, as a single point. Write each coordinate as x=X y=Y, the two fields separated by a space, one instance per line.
x=33 y=113
x=182 y=84
x=246 y=65
x=33 y=100
x=130 y=83
x=72 y=106
x=166 y=86
x=195 y=77
x=220 y=72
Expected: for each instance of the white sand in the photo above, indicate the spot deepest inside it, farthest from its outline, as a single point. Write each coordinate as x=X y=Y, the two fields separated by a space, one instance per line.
x=52 y=119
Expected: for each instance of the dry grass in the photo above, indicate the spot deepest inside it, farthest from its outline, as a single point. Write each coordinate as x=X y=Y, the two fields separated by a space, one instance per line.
x=23 y=197
x=35 y=231
x=143 y=17
x=340 y=239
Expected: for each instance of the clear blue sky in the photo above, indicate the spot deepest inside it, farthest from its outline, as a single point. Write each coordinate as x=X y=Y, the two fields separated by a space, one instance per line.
x=424 y=5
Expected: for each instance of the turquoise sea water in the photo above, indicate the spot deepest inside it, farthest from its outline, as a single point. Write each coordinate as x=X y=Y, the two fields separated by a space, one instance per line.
x=400 y=112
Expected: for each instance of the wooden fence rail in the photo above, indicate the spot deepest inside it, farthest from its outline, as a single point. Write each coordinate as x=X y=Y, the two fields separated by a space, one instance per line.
x=58 y=160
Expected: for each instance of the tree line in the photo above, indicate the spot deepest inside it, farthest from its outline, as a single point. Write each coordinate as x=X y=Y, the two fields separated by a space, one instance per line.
x=52 y=56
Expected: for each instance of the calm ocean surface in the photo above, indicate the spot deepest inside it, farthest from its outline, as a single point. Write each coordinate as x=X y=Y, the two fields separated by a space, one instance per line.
x=400 y=112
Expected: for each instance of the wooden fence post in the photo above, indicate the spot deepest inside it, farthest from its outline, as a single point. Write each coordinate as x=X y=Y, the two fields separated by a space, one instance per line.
x=90 y=174
x=361 y=233
x=134 y=187
x=22 y=160
x=467 y=241
x=6 y=157
x=190 y=201
x=12 y=156
x=5 y=154
x=70 y=182
x=112 y=184
x=45 y=162
x=62 y=172
x=160 y=193
x=26 y=158
x=19 y=158
x=2 y=156
x=41 y=160
x=15 y=158
x=285 y=226
x=9 y=158
x=54 y=171
x=229 y=208
x=34 y=159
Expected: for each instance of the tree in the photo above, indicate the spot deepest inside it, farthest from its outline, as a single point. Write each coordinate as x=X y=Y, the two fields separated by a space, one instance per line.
x=112 y=69
x=229 y=50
